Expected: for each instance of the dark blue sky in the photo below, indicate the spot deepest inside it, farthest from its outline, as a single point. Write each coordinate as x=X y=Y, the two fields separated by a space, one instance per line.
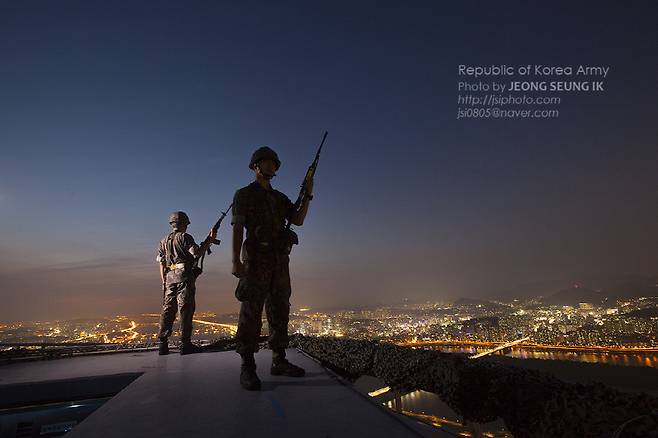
x=113 y=114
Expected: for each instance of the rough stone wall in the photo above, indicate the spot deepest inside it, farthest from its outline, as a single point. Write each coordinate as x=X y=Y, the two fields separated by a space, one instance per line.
x=532 y=403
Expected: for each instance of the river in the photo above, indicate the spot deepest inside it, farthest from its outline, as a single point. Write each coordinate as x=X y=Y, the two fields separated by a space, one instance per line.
x=623 y=359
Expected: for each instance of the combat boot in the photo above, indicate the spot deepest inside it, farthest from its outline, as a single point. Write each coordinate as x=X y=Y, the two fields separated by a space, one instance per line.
x=189 y=348
x=281 y=367
x=248 y=378
x=163 y=347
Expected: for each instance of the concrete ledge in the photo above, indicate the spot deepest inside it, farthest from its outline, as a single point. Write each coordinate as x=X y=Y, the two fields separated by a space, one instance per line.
x=199 y=395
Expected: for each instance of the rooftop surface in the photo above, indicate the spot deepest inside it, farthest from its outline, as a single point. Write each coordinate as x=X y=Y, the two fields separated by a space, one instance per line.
x=200 y=395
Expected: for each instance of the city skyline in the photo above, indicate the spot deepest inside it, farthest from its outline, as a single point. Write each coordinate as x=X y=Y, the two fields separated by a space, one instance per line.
x=619 y=325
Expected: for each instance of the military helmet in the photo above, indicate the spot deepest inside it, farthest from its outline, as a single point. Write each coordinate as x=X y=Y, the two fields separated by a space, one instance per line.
x=264 y=153
x=179 y=217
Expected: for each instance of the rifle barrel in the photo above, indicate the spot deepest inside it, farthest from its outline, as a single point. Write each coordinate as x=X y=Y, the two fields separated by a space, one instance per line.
x=221 y=218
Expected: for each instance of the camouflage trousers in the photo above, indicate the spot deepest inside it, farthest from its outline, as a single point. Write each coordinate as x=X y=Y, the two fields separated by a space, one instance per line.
x=266 y=283
x=178 y=295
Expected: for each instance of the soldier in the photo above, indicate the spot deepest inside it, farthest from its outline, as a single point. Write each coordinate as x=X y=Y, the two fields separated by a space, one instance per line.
x=263 y=270
x=177 y=256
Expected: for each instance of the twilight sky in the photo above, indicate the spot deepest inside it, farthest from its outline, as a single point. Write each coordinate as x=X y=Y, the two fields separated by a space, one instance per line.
x=113 y=114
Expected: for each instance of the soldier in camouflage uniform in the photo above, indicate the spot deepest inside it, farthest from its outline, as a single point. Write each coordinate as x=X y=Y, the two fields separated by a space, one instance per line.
x=263 y=269
x=177 y=255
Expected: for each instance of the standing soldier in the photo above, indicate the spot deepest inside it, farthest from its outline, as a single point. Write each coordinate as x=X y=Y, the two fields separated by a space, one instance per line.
x=177 y=256
x=263 y=270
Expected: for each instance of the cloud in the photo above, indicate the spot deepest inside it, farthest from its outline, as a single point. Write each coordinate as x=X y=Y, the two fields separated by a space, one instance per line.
x=101 y=287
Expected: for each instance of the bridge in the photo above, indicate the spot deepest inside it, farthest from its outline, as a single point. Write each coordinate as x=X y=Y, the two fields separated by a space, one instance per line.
x=498 y=348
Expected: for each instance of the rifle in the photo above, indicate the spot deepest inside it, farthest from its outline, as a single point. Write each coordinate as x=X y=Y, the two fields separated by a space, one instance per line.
x=290 y=236
x=199 y=269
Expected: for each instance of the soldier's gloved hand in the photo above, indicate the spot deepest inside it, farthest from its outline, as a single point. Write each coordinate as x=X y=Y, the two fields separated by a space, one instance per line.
x=213 y=234
x=309 y=186
x=238 y=269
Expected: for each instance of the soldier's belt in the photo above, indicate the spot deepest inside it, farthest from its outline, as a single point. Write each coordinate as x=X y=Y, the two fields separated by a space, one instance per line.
x=176 y=266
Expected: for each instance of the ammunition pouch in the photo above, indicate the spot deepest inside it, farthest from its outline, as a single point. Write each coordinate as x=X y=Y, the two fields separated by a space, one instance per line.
x=242 y=291
x=288 y=238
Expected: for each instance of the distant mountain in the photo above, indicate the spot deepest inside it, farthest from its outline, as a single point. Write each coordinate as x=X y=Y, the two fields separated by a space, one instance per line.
x=573 y=296
x=591 y=289
x=478 y=302
x=530 y=290
x=634 y=287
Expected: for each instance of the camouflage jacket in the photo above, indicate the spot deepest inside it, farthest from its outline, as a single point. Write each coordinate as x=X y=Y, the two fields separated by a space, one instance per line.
x=177 y=249
x=263 y=213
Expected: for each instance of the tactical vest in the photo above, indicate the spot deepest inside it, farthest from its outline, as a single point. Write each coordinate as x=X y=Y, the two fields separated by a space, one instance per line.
x=265 y=219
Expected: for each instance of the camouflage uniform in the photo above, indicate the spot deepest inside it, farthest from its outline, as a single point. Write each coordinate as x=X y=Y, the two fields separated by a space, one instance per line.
x=180 y=283
x=267 y=280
